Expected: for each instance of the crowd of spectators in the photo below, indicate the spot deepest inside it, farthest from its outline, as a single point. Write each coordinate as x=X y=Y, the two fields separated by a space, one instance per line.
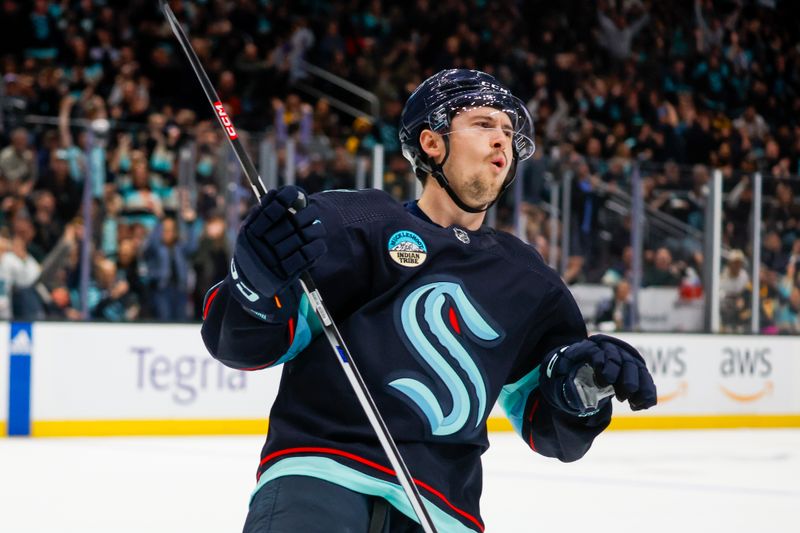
x=672 y=88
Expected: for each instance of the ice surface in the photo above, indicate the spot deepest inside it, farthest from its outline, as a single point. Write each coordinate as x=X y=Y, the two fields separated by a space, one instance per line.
x=727 y=481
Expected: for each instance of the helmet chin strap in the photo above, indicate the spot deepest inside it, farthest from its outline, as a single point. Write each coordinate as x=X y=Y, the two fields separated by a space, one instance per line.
x=437 y=171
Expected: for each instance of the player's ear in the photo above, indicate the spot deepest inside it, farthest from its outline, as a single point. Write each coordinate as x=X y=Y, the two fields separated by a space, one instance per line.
x=432 y=144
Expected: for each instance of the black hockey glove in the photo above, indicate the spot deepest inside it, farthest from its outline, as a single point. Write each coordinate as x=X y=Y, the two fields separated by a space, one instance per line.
x=273 y=247
x=580 y=378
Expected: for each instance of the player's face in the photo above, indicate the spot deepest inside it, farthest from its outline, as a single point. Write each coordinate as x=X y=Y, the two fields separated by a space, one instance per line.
x=480 y=154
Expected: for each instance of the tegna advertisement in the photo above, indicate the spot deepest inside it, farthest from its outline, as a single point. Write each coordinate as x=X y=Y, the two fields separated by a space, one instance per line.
x=99 y=379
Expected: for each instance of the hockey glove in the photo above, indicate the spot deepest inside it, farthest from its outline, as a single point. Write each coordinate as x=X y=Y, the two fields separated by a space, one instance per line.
x=580 y=378
x=273 y=247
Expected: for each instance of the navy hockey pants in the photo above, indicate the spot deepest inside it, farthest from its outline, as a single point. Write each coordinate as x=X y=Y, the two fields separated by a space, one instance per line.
x=294 y=504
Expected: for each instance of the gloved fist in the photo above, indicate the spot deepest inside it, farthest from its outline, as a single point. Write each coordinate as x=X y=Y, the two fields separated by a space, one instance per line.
x=278 y=241
x=622 y=366
x=568 y=384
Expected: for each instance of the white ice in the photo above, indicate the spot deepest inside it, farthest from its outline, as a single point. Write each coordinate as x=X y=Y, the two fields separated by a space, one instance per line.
x=727 y=481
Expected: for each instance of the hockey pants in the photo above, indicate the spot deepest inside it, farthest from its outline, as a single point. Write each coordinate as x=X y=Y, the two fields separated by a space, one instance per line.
x=294 y=504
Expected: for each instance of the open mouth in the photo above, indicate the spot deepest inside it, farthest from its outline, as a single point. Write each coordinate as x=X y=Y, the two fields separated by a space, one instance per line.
x=499 y=162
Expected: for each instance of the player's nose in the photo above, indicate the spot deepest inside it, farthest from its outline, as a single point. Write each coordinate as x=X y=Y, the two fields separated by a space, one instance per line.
x=499 y=139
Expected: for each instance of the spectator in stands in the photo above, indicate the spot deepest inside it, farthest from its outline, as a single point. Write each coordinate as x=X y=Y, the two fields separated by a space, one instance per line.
x=57 y=269
x=620 y=270
x=787 y=284
x=331 y=43
x=130 y=269
x=140 y=201
x=110 y=298
x=773 y=255
x=662 y=271
x=616 y=35
x=788 y=317
x=18 y=160
x=616 y=313
x=167 y=254
x=783 y=214
x=300 y=42
x=44 y=38
x=794 y=258
x=588 y=196
x=752 y=126
x=710 y=34
x=769 y=301
x=734 y=282
x=18 y=271
x=57 y=181
x=211 y=260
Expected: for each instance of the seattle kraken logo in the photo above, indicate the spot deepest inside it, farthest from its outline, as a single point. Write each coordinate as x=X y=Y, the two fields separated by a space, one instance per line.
x=434 y=297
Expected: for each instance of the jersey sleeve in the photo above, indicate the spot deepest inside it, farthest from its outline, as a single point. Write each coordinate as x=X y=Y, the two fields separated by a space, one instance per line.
x=239 y=340
x=546 y=430
x=242 y=341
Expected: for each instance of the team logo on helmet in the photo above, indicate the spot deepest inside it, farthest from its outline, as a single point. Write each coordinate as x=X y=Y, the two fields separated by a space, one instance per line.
x=519 y=143
x=406 y=248
x=439 y=119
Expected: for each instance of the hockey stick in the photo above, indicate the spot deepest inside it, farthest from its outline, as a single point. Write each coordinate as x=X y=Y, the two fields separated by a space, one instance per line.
x=309 y=288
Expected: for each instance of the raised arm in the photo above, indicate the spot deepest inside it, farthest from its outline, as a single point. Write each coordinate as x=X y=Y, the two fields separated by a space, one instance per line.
x=257 y=316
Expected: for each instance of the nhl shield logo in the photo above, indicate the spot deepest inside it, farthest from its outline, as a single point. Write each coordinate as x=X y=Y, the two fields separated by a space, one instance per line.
x=461 y=235
x=406 y=248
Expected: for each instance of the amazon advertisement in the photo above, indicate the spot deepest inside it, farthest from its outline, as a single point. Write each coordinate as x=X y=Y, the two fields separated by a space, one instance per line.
x=721 y=374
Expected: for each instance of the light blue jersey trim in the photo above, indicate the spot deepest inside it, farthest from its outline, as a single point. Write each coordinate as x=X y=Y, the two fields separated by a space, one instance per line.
x=514 y=397
x=308 y=327
x=338 y=474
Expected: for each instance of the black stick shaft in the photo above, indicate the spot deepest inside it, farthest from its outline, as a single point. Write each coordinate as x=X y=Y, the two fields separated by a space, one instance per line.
x=213 y=98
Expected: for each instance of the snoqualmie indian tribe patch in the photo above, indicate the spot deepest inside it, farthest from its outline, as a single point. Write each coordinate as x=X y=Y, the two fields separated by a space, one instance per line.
x=407 y=249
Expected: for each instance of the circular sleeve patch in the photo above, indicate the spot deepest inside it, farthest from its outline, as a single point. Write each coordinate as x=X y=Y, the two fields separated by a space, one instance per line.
x=407 y=249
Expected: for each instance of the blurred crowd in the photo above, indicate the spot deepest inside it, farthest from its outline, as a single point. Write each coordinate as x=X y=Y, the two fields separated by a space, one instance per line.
x=98 y=103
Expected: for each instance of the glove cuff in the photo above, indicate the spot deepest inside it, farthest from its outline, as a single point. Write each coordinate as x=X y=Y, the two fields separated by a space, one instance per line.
x=561 y=390
x=274 y=309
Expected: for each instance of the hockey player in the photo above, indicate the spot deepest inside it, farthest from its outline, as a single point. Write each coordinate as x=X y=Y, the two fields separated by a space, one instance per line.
x=444 y=316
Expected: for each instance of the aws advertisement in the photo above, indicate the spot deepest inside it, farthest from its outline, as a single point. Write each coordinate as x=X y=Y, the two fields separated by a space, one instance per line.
x=711 y=374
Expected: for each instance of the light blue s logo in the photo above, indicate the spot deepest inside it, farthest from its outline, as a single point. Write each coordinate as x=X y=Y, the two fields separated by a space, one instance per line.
x=434 y=296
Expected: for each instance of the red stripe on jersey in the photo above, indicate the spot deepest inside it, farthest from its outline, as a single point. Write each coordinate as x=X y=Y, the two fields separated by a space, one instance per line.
x=376 y=466
x=208 y=302
x=534 y=407
x=454 y=321
x=258 y=367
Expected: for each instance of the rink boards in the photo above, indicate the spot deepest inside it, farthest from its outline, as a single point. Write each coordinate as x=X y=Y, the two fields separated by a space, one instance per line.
x=67 y=379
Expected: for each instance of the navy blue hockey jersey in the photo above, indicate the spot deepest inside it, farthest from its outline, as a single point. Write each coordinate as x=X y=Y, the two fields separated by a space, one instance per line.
x=442 y=323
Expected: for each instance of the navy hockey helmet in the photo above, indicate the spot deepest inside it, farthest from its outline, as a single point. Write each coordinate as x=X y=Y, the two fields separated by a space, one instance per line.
x=435 y=103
